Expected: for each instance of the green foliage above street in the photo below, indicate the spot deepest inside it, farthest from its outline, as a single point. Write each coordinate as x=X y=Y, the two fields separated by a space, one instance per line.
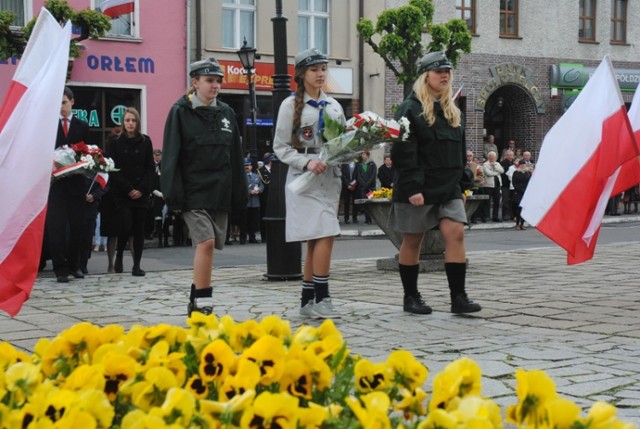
x=397 y=37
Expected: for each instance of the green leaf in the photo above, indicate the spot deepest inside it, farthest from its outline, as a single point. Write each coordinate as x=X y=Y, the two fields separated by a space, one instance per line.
x=332 y=128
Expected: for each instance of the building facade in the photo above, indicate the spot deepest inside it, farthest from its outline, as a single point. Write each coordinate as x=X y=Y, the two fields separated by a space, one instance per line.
x=142 y=63
x=529 y=60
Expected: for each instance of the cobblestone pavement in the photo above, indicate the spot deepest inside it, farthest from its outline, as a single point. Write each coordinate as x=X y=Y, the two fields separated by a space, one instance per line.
x=578 y=323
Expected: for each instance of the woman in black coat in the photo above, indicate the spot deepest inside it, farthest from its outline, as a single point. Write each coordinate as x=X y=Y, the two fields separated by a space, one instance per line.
x=132 y=154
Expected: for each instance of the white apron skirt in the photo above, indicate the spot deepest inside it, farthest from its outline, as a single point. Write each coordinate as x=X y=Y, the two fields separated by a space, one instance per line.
x=313 y=213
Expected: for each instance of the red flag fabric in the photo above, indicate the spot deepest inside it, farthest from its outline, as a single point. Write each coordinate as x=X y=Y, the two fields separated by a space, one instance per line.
x=26 y=156
x=115 y=8
x=579 y=165
x=629 y=174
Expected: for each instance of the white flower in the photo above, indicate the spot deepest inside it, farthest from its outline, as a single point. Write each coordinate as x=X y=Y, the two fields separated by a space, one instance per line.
x=404 y=124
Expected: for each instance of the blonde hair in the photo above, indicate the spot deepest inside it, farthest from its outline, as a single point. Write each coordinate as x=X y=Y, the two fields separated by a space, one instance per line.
x=426 y=96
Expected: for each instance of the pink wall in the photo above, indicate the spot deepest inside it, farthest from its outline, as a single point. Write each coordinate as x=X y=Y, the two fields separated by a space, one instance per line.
x=157 y=61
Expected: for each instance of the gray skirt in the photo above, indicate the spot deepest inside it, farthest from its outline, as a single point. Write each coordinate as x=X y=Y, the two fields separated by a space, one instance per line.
x=405 y=217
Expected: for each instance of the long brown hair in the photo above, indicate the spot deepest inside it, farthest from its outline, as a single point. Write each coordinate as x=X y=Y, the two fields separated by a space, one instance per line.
x=136 y=114
x=298 y=106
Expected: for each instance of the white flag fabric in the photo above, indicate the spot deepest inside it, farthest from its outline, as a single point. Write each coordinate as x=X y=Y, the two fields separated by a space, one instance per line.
x=28 y=126
x=579 y=165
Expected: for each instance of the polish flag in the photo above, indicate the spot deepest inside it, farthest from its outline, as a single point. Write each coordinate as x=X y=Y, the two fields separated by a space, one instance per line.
x=115 y=8
x=579 y=165
x=26 y=154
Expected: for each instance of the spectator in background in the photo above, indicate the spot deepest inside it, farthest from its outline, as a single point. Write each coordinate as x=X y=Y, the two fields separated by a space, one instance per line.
x=109 y=223
x=92 y=201
x=387 y=173
x=251 y=216
x=132 y=153
x=521 y=177
x=526 y=158
x=489 y=146
x=366 y=180
x=506 y=162
x=348 y=193
x=511 y=145
x=492 y=171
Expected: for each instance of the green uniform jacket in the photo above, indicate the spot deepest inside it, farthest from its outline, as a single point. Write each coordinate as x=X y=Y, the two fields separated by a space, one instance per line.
x=432 y=161
x=202 y=163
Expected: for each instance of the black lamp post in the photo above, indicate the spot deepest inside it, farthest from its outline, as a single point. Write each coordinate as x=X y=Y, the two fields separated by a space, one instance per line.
x=247 y=56
x=283 y=259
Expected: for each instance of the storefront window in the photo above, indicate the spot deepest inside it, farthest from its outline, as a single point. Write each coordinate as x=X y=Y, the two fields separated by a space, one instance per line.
x=103 y=108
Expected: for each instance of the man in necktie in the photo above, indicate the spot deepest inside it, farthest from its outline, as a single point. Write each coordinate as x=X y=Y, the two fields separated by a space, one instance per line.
x=348 y=193
x=366 y=180
x=67 y=201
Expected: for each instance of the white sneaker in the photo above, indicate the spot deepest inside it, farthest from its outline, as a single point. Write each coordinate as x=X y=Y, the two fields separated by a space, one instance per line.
x=307 y=309
x=325 y=309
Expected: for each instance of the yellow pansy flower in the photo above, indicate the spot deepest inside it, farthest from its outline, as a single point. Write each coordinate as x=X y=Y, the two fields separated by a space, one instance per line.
x=117 y=369
x=371 y=376
x=276 y=327
x=96 y=403
x=439 y=419
x=270 y=411
x=562 y=412
x=312 y=416
x=244 y=335
x=9 y=355
x=160 y=356
x=268 y=353
x=138 y=419
x=406 y=369
x=178 y=407
x=86 y=377
x=197 y=387
x=226 y=414
x=412 y=404
x=534 y=390
x=459 y=378
x=473 y=411
x=172 y=335
x=246 y=378
x=216 y=361
x=151 y=391
x=603 y=416
x=297 y=379
x=374 y=413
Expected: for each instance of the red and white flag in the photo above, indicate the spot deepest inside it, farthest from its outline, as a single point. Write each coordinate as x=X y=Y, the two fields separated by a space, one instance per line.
x=26 y=154
x=579 y=165
x=115 y=8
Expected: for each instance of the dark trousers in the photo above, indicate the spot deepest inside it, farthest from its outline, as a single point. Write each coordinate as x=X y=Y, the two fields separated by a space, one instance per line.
x=132 y=220
x=250 y=224
x=494 y=195
x=64 y=224
x=482 y=212
x=507 y=209
x=89 y=228
x=348 y=205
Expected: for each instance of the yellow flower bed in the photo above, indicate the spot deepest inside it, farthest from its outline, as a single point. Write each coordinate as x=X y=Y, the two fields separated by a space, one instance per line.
x=218 y=373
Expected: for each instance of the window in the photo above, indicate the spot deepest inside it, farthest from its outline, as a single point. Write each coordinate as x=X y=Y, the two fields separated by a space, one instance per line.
x=509 y=18
x=618 y=21
x=123 y=25
x=18 y=7
x=313 y=25
x=238 y=23
x=467 y=11
x=587 y=24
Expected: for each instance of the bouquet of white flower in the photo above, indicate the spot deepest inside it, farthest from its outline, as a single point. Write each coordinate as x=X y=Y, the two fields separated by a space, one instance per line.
x=344 y=142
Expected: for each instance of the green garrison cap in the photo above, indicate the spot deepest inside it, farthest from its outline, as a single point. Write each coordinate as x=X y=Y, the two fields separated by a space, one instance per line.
x=434 y=61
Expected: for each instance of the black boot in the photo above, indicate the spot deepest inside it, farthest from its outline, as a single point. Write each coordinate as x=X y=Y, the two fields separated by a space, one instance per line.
x=456 y=276
x=117 y=266
x=200 y=300
x=413 y=302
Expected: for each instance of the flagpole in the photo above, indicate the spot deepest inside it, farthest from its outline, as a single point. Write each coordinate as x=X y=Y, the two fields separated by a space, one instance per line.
x=92 y=182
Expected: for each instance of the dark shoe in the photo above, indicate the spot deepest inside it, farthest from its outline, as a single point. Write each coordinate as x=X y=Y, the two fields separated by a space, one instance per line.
x=62 y=279
x=201 y=305
x=117 y=266
x=78 y=274
x=253 y=241
x=84 y=270
x=416 y=305
x=497 y=220
x=138 y=272
x=346 y=221
x=228 y=243
x=462 y=304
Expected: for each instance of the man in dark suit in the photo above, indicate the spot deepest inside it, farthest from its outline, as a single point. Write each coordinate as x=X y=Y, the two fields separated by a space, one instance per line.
x=349 y=191
x=67 y=200
x=265 y=177
x=366 y=179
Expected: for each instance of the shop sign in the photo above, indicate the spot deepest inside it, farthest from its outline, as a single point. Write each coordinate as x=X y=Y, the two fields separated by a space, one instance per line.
x=575 y=76
x=91 y=116
x=121 y=64
x=510 y=73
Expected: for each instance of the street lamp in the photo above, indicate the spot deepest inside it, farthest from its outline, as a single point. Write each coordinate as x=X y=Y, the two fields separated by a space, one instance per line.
x=247 y=56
